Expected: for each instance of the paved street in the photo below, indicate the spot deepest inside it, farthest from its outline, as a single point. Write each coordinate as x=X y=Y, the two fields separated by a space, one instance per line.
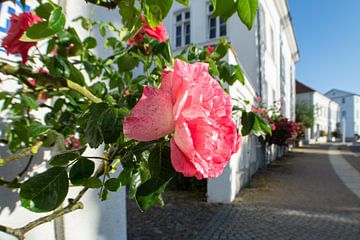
x=310 y=194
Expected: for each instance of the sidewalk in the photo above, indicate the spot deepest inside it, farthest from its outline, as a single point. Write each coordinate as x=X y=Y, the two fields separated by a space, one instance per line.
x=300 y=197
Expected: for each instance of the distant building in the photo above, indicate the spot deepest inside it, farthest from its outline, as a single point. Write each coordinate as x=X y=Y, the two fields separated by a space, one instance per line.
x=326 y=113
x=349 y=113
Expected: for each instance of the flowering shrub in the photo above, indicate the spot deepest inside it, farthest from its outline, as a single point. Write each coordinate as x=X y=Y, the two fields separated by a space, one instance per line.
x=283 y=132
x=174 y=116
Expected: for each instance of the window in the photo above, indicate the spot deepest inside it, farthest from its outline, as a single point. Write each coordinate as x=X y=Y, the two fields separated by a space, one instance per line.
x=182 y=28
x=343 y=101
x=217 y=26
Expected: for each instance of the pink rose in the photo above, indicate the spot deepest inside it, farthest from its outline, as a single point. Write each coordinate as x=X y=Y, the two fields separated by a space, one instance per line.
x=258 y=99
x=260 y=110
x=191 y=104
x=18 y=25
x=159 y=33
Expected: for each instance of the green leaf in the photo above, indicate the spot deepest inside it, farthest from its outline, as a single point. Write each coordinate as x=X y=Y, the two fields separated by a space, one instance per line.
x=224 y=8
x=37 y=32
x=56 y=20
x=81 y=171
x=125 y=177
x=135 y=182
x=239 y=75
x=92 y=182
x=221 y=49
x=51 y=137
x=90 y=42
x=156 y=11
x=264 y=125
x=44 y=10
x=102 y=29
x=149 y=193
x=184 y=2
x=46 y=191
x=93 y=133
x=63 y=159
x=111 y=126
x=127 y=63
x=76 y=75
x=246 y=10
x=129 y=13
x=214 y=68
x=247 y=122
x=36 y=129
x=29 y=101
x=113 y=184
x=105 y=195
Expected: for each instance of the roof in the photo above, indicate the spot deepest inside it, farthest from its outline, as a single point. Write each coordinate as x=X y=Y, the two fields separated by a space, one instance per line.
x=302 y=88
x=341 y=92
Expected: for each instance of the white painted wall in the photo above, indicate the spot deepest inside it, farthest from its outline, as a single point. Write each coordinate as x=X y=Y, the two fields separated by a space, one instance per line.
x=244 y=163
x=349 y=107
x=326 y=114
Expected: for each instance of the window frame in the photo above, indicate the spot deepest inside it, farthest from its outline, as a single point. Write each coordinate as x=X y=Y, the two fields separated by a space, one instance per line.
x=184 y=24
x=219 y=23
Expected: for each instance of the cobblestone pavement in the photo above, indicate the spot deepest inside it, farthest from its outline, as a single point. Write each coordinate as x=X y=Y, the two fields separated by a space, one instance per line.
x=299 y=197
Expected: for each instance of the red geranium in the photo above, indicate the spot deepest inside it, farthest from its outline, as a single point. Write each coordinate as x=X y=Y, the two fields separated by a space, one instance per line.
x=18 y=25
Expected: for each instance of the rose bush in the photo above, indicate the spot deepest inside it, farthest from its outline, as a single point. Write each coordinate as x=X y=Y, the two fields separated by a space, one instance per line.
x=176 y=110
x=193 y=105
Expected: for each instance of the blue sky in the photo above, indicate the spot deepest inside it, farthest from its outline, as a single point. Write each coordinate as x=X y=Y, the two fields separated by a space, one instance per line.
x=328 y=35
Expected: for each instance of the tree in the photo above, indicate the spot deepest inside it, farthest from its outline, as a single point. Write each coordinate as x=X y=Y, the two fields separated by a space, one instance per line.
x=305 y=114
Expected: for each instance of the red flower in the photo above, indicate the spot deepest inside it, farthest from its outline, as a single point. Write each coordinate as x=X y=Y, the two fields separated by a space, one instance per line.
x=72 y=143
x=159 y=33
x=210 y=48
x=18 y=25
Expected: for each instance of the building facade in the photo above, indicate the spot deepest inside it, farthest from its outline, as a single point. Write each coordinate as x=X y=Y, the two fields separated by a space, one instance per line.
x=267 y=55
x=326 y=113
x=349 y=112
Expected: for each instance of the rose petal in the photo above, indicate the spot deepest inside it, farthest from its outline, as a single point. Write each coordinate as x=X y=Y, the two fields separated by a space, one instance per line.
x=152 y=117
x=180 y=162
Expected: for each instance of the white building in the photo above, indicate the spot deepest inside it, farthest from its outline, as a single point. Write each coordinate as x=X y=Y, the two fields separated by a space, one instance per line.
x=326 y=113
x=267 y=55
x=349 y=113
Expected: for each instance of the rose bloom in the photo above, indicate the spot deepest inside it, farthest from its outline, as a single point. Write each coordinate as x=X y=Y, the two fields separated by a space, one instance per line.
x=258 y=99
x=193 y=106
x=210 y=48
x=18 y=25
x=72 y=143
x=159 y=33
